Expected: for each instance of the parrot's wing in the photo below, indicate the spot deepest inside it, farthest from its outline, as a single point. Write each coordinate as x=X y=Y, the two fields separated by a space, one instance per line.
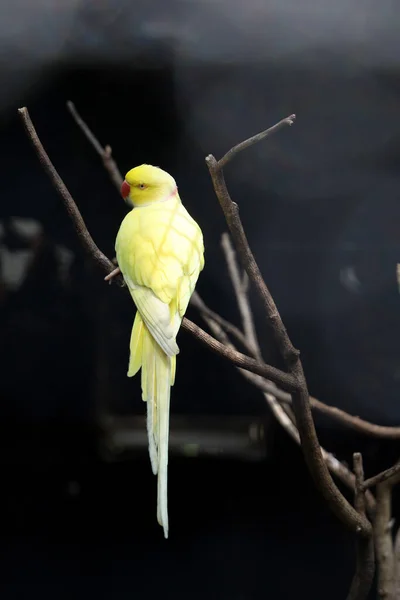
x=156 y=315
x=160 y=253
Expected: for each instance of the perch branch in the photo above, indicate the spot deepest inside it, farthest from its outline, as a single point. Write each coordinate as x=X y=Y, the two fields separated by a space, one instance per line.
x=300 y=397
x=365 y=566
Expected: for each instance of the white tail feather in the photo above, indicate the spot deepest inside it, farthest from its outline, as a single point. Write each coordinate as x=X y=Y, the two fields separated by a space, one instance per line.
x=149 y=396
x=163 y=378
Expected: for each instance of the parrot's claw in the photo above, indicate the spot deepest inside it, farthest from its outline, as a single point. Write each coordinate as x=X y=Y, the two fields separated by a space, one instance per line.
x=113 y=274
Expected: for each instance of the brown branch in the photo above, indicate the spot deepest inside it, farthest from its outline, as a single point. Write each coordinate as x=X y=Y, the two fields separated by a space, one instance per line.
x=341 y=416
x=105 y=153
x=231 y=213
x=334 y=465
x=383 y=540
x=203 y=309
x=365 y=566
x=396 y=571
x=285 y=380
x=383 y=476
x=354 y=422
x=305 y=424
x=272 y=392
x=255 y=139
x=240 y=286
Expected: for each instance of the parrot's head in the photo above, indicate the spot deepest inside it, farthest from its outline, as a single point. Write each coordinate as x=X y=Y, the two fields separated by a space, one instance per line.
x=146 y=184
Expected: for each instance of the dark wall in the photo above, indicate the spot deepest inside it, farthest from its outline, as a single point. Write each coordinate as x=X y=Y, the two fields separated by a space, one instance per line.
x=320 y=206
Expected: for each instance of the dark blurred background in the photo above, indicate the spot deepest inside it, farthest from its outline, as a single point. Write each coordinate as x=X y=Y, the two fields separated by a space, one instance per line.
x=167 y=83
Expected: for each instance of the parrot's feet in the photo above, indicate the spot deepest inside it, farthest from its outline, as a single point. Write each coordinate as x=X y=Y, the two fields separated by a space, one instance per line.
x=113 y=274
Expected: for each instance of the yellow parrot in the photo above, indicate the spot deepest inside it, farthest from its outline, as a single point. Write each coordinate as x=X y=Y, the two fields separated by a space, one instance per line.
x=160 y=252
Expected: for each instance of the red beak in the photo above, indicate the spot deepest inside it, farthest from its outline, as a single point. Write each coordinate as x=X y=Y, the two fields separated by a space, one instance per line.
x=125 y=189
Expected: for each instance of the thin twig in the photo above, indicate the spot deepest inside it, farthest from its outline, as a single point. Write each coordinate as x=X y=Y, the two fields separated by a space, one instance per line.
x=360 y=425
x=383 y=541
x=105 y=153
x=255 y=139
x=344 y=418
x=240 y=285
x=198 y=303
x=305 y=424
x=365 y=567
x=285 y=380
x=383 y=476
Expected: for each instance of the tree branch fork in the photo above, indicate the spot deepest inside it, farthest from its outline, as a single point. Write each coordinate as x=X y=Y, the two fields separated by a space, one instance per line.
x=285 y=391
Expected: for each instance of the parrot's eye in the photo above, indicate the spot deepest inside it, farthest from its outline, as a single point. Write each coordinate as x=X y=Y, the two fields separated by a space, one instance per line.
x=142 y=186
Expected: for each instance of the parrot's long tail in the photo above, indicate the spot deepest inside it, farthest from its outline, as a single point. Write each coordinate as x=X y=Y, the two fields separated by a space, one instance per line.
x=158 y=373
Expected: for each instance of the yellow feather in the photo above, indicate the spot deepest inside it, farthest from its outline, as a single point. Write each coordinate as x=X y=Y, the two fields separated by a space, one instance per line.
x=136 y=346
x=173 y=369
x=149 y=389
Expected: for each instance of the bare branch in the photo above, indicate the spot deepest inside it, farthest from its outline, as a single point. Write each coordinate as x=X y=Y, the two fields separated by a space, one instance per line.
x=396 y=573
x=203 y=309
x=363 y=577
x=334 y=465
x=354 y=422
x=255 y=139
x=272 y=393
x=383 y=540
x=365 y=427
x=76 y=217
x=105 y=153
x=305 y=424
x=347 y=477
x=231 y=213
x=383 y=476
x=285 y=380
x=240 y=285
